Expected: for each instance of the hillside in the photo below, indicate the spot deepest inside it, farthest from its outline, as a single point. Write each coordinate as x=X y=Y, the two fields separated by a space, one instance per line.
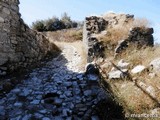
x=128 y=62
x=107 y=70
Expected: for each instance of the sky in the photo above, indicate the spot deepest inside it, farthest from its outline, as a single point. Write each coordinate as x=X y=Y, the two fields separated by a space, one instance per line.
x=32 y=10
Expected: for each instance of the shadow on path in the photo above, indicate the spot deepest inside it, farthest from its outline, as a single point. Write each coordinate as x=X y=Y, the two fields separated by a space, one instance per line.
x=59 y=91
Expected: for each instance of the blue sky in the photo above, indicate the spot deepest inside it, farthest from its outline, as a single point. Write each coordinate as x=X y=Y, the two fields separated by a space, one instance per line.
x=32 y=10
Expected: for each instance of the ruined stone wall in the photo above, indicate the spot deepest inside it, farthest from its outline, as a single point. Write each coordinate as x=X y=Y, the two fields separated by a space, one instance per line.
x=94 y=48
x=138 y=36
x=19 y=45
x=96 y=26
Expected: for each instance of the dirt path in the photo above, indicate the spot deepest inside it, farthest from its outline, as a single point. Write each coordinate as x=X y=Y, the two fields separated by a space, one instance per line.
x=56 y=91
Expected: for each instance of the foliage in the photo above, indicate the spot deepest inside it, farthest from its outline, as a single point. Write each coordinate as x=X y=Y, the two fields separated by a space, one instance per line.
x=38 y=25
x=54 y=23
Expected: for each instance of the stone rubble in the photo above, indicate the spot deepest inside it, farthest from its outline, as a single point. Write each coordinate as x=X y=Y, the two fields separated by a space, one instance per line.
x=57 y=91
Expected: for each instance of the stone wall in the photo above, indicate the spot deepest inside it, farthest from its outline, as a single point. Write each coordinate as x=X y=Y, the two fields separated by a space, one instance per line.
x=94 y=48
x=138 y=36
x=19 y=45
x=96 y=26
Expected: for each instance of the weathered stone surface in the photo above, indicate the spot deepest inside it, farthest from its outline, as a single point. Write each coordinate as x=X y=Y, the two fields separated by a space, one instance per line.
x=1 y=19
x=141 y=36
x=138 y=69
x=6 y=10
x=91 y=69
x=138 y=36
x=94 y=47
x=19 y=45
x=122 y=64
x=151 y=90
x=155 y=64
x=122 y=44
x=116 y=74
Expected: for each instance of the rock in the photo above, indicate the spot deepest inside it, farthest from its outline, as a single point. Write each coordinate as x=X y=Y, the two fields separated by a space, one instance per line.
x=155 y=64
x=122 y=64
x=155 y=111
x=95 y=118
x=123 y=44
x=68 y=84
x=25 y=92
x=92 y=77
x=38 y=116
x=117 y=74
x=18 y=104
x=46 y=118
x=91 y=69
x=17 y=90
x=87 y=93
x=27 y=117
x=151 y=91
x=4 y=58
x=138 y=69
x=79 y=76
x=35 y=102
x=58 y=101
x=68 y=93
x=2 y=73
x=152 y=75
x=43 y=111
x=1 y=19
x=65 y=112
x=6 y=10
x=149 y=31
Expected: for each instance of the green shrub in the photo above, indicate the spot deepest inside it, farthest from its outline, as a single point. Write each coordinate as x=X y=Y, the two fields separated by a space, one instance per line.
x=54 y=23
x=38 y=25
x=66 y=20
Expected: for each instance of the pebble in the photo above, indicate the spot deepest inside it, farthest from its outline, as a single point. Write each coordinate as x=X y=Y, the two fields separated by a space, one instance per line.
x=46 y=118
x=18 y=104
x=35 y=102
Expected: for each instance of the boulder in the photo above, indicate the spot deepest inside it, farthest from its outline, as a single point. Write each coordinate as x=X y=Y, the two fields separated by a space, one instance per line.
x=138 y=69
x=91 y=69
x=155 y=64
x=117 y=74
x=122 y=64
x=121 y=46
x=151 y=91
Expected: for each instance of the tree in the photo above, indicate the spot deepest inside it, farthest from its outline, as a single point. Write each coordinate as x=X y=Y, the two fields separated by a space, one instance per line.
x=52 y=24
x=38 y=25
x=66 y=20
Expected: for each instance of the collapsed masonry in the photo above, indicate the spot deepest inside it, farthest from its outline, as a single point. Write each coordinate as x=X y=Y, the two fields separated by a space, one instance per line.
x=19 y=45
x=139 y=36
x=94 y=25
x=94 y=48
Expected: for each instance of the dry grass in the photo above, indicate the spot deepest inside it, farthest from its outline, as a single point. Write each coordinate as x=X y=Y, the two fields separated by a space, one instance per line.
x=121 y=31
x=115 y=34
x=140 y=56
x=141 y=22
x=133 y=99
x=67 y=35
